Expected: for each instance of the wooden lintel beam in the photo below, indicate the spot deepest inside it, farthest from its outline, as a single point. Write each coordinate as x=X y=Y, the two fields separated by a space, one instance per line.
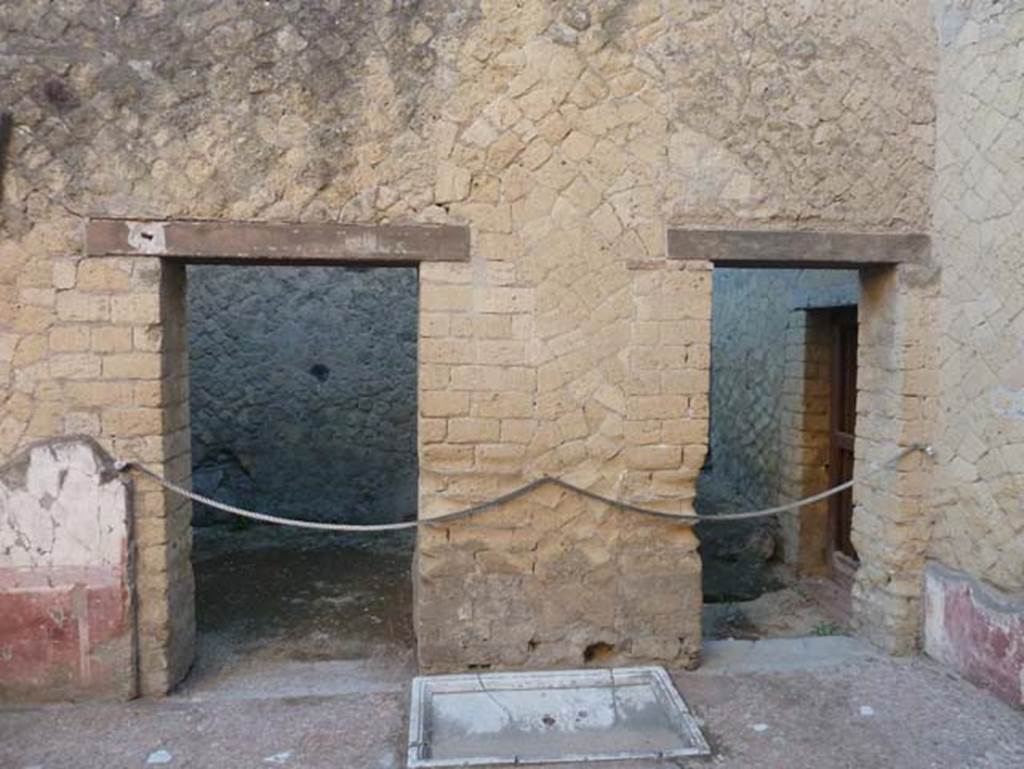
x=278 y=243
x=777 y=248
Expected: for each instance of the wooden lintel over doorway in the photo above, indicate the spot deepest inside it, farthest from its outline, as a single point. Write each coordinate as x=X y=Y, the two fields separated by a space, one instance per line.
x=217 y=242
x=799 y=249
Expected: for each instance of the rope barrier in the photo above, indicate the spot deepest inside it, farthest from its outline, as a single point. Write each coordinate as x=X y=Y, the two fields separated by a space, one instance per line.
x=521 y=491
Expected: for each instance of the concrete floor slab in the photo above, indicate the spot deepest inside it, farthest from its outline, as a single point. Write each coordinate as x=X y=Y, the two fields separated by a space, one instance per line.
x=549 y=717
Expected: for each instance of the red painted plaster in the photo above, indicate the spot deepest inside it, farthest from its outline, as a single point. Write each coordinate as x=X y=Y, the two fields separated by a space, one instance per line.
x=981 y=639
x=53 y=639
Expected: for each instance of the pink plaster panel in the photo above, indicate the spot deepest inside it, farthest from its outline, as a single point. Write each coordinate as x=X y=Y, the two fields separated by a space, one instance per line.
x=977 y=630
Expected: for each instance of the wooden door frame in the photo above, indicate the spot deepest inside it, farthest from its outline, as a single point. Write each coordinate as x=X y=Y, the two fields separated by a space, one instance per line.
x=842 y=403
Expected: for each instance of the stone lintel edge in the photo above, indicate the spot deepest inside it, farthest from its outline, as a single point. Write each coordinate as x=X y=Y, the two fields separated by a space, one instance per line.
x=213 y=242
x=797 y=249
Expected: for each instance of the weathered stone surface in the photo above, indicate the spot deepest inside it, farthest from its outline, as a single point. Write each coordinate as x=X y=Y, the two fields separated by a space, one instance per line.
x=566 y=584
x=583 y=135
x=897 y=323
x=303 y=390
x=65 y=585
x=248 y=243
x=795 y=249
x=976 y=629
x=977 y=493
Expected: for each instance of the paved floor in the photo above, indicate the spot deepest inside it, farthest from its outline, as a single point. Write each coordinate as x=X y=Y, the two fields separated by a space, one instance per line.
x=824 y=703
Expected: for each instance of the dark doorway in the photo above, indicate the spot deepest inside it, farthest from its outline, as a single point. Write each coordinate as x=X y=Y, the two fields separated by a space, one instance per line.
x=303 y=404
x=843 y=415
x=772 y=332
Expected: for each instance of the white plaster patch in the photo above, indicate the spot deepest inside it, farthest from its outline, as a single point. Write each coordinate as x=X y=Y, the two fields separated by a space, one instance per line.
x=65 y=514
x=147 y=237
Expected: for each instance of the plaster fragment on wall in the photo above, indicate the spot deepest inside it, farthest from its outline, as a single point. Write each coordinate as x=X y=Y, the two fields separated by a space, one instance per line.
x=147 y=237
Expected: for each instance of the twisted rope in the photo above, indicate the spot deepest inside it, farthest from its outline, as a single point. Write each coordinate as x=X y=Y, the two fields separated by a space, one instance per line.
x=516 y=493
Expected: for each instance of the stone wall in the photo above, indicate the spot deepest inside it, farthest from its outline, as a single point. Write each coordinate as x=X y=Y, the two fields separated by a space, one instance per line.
x=65 y=575
x=753 y=312
x=896 y=349
x=303 y=390
x=567 y=136
x=978 y=493
x=976 y=629
x=806 y=440
x=975 y=495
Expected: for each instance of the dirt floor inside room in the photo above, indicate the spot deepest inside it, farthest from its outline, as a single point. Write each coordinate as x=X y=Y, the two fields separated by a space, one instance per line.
x=283 y=610
x=303 y=397
x=771 y=433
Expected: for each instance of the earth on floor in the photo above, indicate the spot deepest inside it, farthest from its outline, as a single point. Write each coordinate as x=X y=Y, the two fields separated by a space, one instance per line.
x=749 y=593
x=272 y=597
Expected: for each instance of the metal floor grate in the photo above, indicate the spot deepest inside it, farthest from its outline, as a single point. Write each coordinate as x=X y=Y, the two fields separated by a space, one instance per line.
x=549 y=717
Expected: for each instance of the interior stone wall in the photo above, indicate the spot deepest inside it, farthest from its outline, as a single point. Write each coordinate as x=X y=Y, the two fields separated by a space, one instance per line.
x=807 y=441
x=977 y=497
x=567 y=135
x=753 y=311
x=303 y=390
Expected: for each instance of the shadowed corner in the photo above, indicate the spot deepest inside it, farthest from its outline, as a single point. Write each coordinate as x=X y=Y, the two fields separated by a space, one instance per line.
x=6 y=132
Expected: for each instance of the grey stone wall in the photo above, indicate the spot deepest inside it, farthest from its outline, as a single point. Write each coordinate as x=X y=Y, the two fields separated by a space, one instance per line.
x=751 y=310
x=303 y=390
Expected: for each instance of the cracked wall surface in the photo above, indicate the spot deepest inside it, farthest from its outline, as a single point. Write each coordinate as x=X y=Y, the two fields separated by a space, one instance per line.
x=818 y=113
x=976 y=629
x=65 y=590
x=567 y=136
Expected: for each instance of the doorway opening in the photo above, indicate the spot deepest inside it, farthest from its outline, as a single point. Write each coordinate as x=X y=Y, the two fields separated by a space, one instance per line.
x=842 y=554
x=783 y=411
x=302 y=392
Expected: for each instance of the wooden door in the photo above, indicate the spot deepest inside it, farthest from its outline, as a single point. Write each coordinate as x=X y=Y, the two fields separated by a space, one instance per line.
x=843 y=415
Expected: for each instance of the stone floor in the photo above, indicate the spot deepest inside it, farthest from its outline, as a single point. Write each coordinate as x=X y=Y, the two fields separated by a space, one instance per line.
x=788 y=704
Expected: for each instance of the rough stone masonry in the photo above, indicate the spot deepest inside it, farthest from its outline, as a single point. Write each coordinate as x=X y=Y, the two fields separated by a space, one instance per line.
x=567 y=136
x=303 y=390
